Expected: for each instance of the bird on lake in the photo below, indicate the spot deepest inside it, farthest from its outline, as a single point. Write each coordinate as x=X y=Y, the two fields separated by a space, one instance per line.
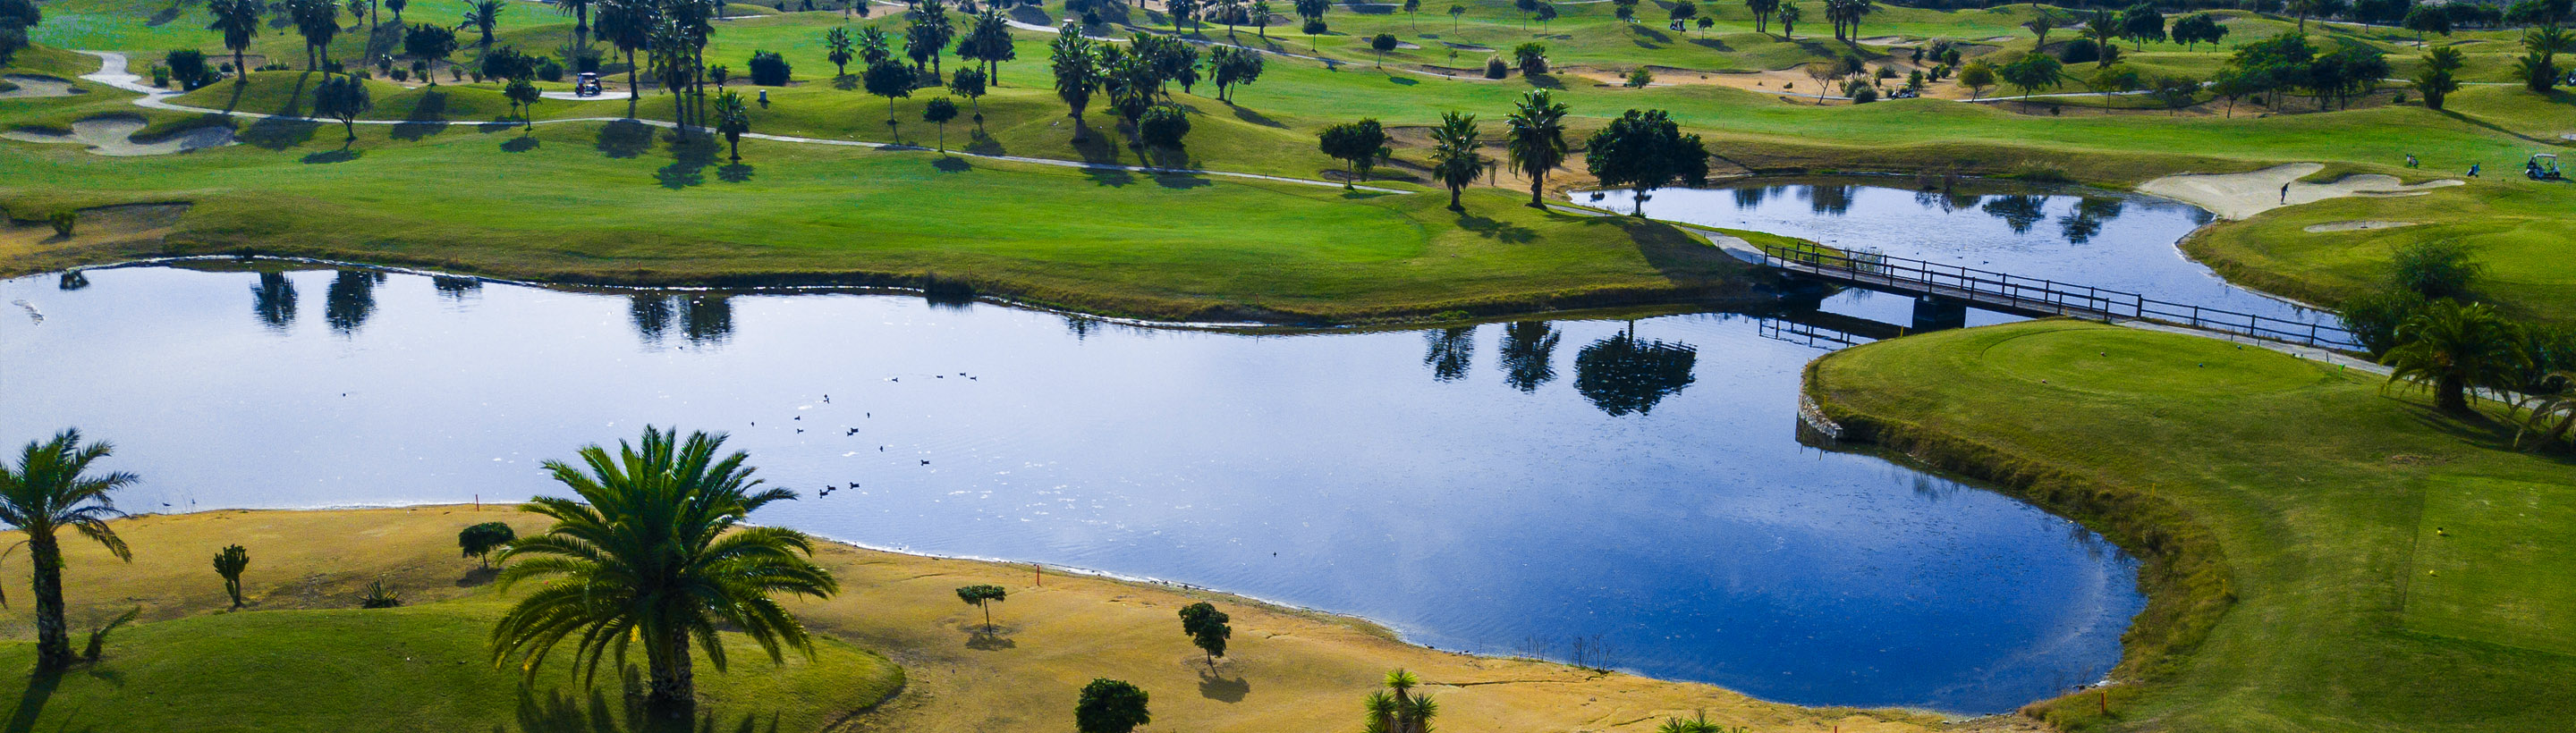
x=853 y=431
x=925 y=461
x=827 y=399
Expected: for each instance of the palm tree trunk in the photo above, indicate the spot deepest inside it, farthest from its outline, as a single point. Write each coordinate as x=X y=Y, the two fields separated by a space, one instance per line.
x=1453 y=199
x=1536 y=182
x=53 y=641
x=673 y=687
x=633 y=92
x=241 y=69
x=2451 y=396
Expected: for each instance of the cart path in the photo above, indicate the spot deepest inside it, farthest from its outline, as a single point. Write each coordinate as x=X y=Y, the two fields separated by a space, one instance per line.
x=112 y=72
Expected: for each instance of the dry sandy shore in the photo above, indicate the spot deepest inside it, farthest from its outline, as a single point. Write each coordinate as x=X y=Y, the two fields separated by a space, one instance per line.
x=1287 y=670
x=2243 y=195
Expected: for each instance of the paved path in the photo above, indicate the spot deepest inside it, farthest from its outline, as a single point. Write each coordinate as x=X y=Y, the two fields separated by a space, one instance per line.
x=112 y=72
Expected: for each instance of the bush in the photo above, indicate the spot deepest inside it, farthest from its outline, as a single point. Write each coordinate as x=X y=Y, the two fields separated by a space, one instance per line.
x=63 y=221
x=1640 y=78
x=549 y=70
x=401 y=74
x=768 y=69
x=188 y=65
x=161 y=76
x=1495 y=68
x=2373 y=318
x=1861 y=92
x=1164 y=126
x=2435 y=269
x=2080 y=51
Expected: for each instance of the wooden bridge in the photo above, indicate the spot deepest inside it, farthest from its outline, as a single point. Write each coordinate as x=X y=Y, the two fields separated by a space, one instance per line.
x=2005 y=292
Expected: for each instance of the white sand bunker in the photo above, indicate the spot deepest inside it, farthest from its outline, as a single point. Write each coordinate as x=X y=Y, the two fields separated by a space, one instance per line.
x=2242 y=195
x=1882 y=40
x=2355 y=226
x=115 y=136
x=39 y=86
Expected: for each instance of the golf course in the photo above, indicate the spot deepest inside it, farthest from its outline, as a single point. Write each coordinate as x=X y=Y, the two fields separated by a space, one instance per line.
x=2366 y=540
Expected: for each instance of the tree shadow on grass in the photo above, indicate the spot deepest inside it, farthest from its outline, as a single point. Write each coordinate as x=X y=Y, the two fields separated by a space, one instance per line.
x=1402 y=80
x=951 y=164
x=278 y=133
x=520 y=144
x=428 y=117
x=691 y=153
x=982 y=144
x=31 y=702
x=1497 y=230
x=556 y=711
x=478 y=577
x=735 y=173
x=625 y=139
x=1223 y=690
x=1649 y=37
x=1544 y=81
x=989 y=642
x=1246 y=114
x=327 y=157
x=1714 y=44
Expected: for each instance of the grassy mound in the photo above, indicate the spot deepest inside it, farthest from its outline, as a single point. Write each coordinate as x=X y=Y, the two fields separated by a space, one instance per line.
x=416 y=668
x=2322 y=555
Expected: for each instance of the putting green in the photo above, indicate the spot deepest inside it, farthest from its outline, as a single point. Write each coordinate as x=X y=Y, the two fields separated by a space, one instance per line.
x=2115 y=363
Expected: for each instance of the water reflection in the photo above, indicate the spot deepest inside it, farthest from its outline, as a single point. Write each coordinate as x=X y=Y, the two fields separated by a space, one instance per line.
x=1529 y=350
x=456 y=288
x=72 y=280
x=1452 y=350
x=2018 y=211
x=1828 y=200
x=2091 y=212
x=651 y=314
x=350 y=300
x=1623 y=374
x=703 y=319
x=273 y=299
x=1948 y=200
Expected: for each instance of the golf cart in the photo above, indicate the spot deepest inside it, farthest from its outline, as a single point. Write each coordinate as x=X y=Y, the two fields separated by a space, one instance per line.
x=586 y=86
x=2543 y=167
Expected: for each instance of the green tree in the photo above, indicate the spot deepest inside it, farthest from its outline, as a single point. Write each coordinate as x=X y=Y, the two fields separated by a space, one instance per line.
x=988 y=41
x=1163 y=126
x=969 y=83
x=655 y=551
x=1788 y=15
x=2141 y=23
x=1762 y=10
x=1358 y=143
x=1455 y=158
x=1207 y=629
x=839 y=49
x=2032 y=72
x=939 y=112
x=2104 y=29
x=1977 y=76
x=2197 y=29
x=580 y=12
x=733 y=118
x=523 y=96
x=983 y=596
x=1454 y=12
x=889 y=79
x=16 y=16
x=1110 y=706
x=2427 y=19
x=1232 y=66
x=1644 y=151
x=479 y=541
x=230 y=563
x=483 y=16
x=1412 y=11
x=1382 y=43
x=628 y=25
x=2438 y=79
x=239 y=21
x=2436 y=269
x=1530 y=58
x=49 y=491
x=343 y=98
x=1077 y=77
x=2449 y=348
x=318 y=21
x=1535 y=139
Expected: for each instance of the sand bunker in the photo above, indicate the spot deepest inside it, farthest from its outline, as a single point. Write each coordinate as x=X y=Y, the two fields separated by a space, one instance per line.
x=115 y=136
x=1882 y=40
x=2355 y=226
x=2242 y=195
x=39 y=86
x=2001 y=39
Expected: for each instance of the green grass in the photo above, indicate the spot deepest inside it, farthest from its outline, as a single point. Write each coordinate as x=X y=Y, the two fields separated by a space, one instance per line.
x=2322 y=554
x=416 y=668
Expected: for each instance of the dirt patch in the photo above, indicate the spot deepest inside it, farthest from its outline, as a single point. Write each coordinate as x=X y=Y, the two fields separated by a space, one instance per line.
x=2243 y=195
x=39 y=86
x=32 y=242
x=115 y=135
x=2356 y=226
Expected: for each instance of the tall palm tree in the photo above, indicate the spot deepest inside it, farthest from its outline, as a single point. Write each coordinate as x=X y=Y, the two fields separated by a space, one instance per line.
x=239 y=21
x=318 y=21
x=655 y=551
x=580 y=12
x=51 y=490
x=733 y=118
x=1454 y=156
x=2452 y=347
x=2040 y=23
x=628 y=25
x=483 y=16
x=1536 y=141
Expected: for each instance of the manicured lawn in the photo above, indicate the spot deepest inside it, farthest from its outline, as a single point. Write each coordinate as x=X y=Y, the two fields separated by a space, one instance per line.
x=2379 y=567
x=416 y=668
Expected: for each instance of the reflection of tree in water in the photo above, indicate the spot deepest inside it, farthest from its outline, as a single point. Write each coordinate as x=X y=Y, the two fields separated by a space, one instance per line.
x=1081 y=326
x=1622 y=374
x=456 y=288
x=2018 y=211
x=1529 y=354
x=651 y=313
x=71 y=280
x=707 y=318
x=1452 y=351
x=1830 y=200
x=273 y=299
x=349 y=301
x=1947 y=201
x=1750 y=197
x=2087 y=219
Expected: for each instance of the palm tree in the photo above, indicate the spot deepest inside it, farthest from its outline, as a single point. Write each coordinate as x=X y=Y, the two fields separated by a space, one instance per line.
x=482 y=16
x=1401 y=712
x=2452 y=347
x=50 y=491
x=318 y=21
x=580 y=12
x=628 y=25
x=655 y=551
x=239 y=21
x=733 y=119
x=1536 y=141
x=2553 y=416
x=1454 y=156
x=2041 y=23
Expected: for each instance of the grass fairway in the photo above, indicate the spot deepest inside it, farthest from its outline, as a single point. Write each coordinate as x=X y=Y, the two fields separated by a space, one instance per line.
x=417 y=668
x=301 y=658
x=2321 y=555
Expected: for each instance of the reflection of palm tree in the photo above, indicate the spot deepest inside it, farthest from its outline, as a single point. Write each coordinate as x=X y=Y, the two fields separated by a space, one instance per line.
x=1832 y=200
x=1622 y=374
x=1452 y=351
x=1750 y=197
x=708 y=319
x=1529 y=353
x=651 y=313
x=350 y=300
x=2087 y=219
x=274 y=300
x=2018 y=211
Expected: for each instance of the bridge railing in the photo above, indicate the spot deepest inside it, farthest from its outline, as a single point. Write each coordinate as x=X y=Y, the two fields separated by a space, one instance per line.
x=2041 y=295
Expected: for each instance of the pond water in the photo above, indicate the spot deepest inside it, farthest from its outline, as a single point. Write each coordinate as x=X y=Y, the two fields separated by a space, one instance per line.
x=2104 y=239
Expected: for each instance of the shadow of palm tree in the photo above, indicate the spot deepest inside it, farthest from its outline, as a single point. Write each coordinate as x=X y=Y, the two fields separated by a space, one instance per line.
x=690 y=154
x=428 y=117
x=1497 y=230
x=624 y=139
x=734 y=173
x=520 y=144
x=31 y=702
x=326 y=157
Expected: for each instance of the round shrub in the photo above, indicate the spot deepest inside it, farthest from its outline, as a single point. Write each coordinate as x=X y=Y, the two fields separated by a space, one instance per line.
x=1164 y=125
